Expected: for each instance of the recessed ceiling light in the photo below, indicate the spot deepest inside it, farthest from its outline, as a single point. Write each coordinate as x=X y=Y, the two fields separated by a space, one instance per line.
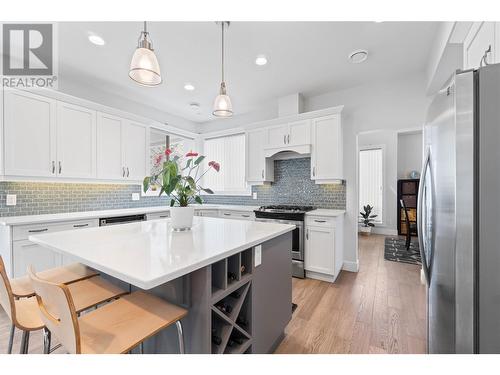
x=357 y=57
x=96 y=39
x=188 y=87
x=261 y=60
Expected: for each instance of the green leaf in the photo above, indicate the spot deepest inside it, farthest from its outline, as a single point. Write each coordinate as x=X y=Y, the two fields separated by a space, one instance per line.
x=145 y=183
x=166 y=178
x=207 y=190
x=199 y=160
x=188 y=163
x=191 y=182
x=172 y=202
x=198 y=199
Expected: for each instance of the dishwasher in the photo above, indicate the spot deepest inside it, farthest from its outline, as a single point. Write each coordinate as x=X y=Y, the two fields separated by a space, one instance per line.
x=115 y=220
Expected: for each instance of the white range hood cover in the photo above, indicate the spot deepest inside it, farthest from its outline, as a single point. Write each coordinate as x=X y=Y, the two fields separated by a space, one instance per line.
x=301 y=149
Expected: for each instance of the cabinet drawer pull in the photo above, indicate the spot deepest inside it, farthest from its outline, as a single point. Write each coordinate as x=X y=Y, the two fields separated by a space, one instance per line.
x=245 y=215
x=226 y=214
x=38 y=230
x=320 y=221
x=163 y=216
x=80 y=225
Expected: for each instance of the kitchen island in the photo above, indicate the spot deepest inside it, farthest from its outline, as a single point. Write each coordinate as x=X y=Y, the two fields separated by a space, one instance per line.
x=245 y=265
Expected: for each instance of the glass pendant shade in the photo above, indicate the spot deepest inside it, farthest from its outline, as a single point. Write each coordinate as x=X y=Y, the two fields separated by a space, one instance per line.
x=144 y=67
x=222 y=103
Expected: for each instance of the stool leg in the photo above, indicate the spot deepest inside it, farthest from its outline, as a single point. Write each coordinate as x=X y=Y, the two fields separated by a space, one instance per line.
x=11 y=338
x=180 y=334
x=46 y=341
x=25 y=342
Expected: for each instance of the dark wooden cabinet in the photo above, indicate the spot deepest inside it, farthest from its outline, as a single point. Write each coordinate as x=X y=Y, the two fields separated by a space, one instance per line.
x=408 y=192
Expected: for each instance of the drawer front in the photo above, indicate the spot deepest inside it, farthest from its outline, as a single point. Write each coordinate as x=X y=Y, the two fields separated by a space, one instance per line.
x=22 y=232
x=242 y=215
x=158 y=215
x=320 y=221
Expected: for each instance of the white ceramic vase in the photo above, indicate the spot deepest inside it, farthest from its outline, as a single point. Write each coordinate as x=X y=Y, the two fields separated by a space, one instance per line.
x=181 y=218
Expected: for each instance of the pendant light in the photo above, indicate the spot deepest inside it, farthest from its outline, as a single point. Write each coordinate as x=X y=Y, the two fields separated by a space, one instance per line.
x=144 y=67
x=222 y=103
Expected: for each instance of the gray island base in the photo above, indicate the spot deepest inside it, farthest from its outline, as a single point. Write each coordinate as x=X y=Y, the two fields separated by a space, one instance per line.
x=234 y=277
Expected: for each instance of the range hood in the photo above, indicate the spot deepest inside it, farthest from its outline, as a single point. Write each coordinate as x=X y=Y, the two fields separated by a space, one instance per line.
x=304 y=150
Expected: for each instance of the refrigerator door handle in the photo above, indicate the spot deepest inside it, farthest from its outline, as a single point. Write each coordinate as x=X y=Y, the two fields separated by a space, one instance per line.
x=419 y=216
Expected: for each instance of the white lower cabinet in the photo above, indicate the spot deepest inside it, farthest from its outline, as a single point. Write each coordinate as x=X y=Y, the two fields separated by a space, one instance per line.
x=26 y=253
x=207 y=213
x=158 y=215
x=239 y=215
x=323 y=248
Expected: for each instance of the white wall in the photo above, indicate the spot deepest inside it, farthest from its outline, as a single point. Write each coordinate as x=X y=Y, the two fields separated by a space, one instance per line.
x=389 y=140
x=409 y=153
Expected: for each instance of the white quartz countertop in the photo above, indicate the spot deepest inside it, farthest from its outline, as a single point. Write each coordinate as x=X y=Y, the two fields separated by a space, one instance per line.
x=33 y=219
x=147 y=254
x=325 y=212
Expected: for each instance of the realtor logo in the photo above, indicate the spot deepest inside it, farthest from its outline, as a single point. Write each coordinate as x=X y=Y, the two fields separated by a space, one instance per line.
x=28 y=55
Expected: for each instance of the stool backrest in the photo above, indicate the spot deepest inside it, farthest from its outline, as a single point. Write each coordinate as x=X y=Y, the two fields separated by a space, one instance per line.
x=6 y=296
x=57 y=311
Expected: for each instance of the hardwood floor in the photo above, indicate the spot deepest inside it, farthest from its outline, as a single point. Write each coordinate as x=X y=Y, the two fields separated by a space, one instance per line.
x=380 y=309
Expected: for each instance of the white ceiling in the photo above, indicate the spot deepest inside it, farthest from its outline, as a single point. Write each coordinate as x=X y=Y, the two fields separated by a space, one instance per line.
x=306 y=57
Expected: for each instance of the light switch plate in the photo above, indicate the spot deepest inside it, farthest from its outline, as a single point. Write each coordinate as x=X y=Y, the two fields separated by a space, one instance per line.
x=254 y=195
x=11 y=200
x=258 y=255
x=135 y=196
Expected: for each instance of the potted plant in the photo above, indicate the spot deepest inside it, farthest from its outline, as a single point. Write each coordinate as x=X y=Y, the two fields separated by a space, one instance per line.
x=178 y=177
x=367 y=220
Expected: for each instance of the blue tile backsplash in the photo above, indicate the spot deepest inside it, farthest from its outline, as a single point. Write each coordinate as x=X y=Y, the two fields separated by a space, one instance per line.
x=292 y=186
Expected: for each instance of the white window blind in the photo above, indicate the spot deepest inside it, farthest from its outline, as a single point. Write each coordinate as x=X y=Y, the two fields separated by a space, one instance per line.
x=371 y=181
x=229 y=152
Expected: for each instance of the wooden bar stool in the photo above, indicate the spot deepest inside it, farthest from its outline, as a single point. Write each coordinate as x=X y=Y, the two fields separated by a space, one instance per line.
x=115 y=328
x=25 y=314
x=21 y=287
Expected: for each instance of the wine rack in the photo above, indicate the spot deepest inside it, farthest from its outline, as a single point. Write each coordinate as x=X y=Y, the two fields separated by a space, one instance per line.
x=231 y=304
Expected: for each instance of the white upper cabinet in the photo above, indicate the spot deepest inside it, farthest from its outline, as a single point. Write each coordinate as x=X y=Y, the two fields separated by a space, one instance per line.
x=276 y=136
x=299 y=133
x=30 y=134
x=135 y=151
x=76 y=141
x=482 y=36
x=326 y=153
x=258 y=168
x=121 y=148
x=109 y=147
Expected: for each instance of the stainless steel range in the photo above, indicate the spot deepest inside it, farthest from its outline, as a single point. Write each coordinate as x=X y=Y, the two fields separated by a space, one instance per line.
x=289 y=215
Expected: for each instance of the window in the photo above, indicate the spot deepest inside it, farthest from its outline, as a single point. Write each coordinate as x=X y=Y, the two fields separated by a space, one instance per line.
x=371 y=179
x=229 y=152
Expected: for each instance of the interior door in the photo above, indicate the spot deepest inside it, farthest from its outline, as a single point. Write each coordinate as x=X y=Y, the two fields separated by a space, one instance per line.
x=109 y=147
x=76 y=141
x=134 y=145
x=437 y=212
x=30 y=134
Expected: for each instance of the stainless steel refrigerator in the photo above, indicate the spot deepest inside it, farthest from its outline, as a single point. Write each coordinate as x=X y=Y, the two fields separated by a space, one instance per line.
x=459 y=214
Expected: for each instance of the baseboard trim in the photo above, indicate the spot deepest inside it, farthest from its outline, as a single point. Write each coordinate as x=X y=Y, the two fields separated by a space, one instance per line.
x=320 y=276
x=351 y=266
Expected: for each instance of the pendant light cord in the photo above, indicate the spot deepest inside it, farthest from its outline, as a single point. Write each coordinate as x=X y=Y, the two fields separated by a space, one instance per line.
x=222 y=51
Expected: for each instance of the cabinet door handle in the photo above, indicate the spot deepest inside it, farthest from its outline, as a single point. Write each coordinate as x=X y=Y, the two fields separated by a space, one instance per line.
x=245 y=215
x=226 y=214
x=123 y=171
x=53 y=167
x=128 y=172
x=60 y=167
x=314 y=171
x=163 y=216
x=320 y=221
x=284 y=139
x=80 y=225
x=262 y=173
x=38 y=230
x=288 y=139
x=307 y=234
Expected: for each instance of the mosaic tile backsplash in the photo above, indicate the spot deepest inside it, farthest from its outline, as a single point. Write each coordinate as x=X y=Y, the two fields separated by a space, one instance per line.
x=292 y=186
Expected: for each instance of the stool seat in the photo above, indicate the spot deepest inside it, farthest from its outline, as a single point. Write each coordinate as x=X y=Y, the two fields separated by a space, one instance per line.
x=21 y=287
x=86 y=294
x=123 y=324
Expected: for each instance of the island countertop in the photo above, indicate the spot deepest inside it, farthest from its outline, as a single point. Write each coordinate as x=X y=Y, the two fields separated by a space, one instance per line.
x=147 y=254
